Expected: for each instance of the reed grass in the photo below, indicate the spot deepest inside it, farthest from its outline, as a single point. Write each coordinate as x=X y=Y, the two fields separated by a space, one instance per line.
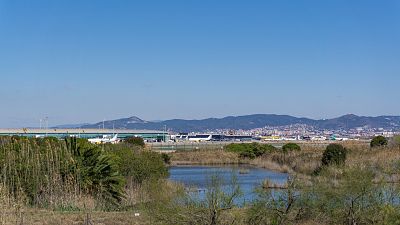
x=206 y=157
x=35 y=171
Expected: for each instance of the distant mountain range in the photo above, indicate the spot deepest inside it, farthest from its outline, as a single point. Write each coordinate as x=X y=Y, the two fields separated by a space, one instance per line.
x=247 y=122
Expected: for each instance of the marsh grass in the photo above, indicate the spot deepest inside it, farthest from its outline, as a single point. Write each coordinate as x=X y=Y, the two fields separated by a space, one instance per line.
x=268 y=184
x=48 y=181
x=303 y=162
x=207 y=157
x=35 y=172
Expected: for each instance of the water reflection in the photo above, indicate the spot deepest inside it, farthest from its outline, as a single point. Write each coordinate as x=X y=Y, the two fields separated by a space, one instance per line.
x=248 y=178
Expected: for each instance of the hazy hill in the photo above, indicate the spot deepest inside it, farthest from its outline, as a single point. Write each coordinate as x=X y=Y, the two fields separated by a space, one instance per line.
x=251 y=121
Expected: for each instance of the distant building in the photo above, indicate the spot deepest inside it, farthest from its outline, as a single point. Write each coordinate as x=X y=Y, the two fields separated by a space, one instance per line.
x=148 y=135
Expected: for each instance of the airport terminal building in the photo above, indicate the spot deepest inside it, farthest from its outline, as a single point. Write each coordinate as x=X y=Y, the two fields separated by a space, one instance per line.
x=148 y=135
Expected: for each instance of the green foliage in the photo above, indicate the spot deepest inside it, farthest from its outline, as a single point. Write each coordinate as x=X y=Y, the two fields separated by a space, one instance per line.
x=97 y=171
x=351 y=197
x=334 y=154
x=249 y=150
x=346 y=196
x=290 y=147
x=148 y=165
x=46 y=171
x=135 y=141
x=36 y=169
x=166 y=158
x=378 y=141
x=140 y=165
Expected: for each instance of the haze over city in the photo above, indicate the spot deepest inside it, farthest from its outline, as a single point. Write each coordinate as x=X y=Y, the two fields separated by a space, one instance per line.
x=76 y=61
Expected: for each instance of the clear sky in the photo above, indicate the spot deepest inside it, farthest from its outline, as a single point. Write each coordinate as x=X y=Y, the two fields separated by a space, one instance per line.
x=84 y=61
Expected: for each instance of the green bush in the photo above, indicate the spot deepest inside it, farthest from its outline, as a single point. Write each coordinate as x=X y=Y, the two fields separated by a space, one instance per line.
x=140 y=165
x=249 y=150
x=378 y=141
x=166 y=158
x=97 y=170
x=334 y=154
x=135 y=141
x=148 y=165
x=291 y=147
x=350 y=197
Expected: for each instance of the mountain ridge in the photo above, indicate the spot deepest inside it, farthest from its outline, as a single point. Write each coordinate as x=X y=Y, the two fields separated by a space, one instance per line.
x=246 y=122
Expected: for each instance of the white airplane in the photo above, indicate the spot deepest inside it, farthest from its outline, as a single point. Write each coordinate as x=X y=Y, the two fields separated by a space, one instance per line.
x=104 y=139
x=200 y=137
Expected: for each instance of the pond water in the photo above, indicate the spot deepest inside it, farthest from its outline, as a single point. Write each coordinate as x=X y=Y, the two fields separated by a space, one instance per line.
x=247 y=177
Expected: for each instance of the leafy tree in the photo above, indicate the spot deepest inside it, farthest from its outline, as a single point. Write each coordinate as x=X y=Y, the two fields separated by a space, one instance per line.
x=290 y=147
x=378 y=141
x=334 y=154
x=135 y=141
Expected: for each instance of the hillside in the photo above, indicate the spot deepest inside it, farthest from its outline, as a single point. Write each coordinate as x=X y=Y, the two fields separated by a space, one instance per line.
x=250 y=122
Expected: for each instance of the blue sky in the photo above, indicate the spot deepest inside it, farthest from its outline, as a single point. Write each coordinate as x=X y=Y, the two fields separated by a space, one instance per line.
x=83 y=61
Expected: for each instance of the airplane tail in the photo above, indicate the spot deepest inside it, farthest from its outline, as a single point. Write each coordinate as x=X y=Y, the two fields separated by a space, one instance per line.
x=114 y=138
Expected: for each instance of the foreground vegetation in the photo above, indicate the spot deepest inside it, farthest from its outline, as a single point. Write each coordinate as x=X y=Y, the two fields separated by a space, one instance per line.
x=50 y=181
x=345 y=183
x=73 y=175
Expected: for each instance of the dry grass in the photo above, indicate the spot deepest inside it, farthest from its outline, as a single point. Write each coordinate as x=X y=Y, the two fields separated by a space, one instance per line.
x=268 y=184
x=206 y=157
x=14 y=211
x=42 y=217
x=381 y=157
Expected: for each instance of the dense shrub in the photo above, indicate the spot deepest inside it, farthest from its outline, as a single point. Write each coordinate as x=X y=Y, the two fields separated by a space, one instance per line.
x=135 y=141
x=148 y=165
x=249 y=150
x=378 y=141
x=140 y=165
x=290 y=147
x=97 y=170
x=334 y=154
x=166 y=158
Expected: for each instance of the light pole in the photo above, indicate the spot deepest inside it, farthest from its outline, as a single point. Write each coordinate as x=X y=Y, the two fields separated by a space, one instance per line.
x=47 y=124
x=165 y=130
